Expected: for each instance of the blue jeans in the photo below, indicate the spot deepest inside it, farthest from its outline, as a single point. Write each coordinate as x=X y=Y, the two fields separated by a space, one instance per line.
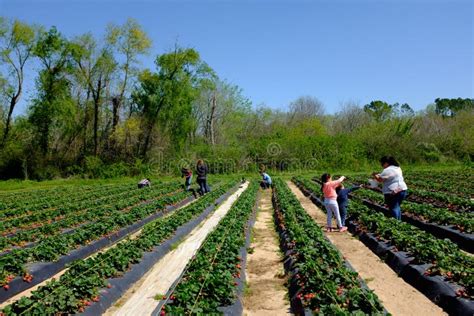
x=187 y=183
x=332 y=208
x=343 y=212
x=394 y=201
x=203 y=187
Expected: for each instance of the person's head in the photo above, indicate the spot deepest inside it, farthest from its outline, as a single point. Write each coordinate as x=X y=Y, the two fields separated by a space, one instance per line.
x=387 y=161
x=200 y=162
x=339 y=188
x=325 y=178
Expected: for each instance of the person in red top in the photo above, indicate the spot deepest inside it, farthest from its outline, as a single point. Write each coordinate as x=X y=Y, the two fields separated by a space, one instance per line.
x=188 y=175
x=328 y=188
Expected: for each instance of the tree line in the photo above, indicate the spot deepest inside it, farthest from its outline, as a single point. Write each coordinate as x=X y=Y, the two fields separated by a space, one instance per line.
x=95 y=111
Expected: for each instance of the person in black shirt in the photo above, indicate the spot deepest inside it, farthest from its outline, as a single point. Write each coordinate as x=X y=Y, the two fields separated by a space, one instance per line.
x=202 y=171
x=343 y=200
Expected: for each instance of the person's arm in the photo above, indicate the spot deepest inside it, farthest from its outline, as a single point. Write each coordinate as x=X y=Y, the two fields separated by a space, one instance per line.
x=384 y=175
x=356 y=187
x=335 y=183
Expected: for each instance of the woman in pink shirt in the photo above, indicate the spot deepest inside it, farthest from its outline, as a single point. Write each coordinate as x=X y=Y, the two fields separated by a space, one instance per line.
x=330 y=200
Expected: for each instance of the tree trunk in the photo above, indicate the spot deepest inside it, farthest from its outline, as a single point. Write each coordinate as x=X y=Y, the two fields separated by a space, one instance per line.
x=13 y=102
x=147 y=143
x=213 y=113
x=115 y=112
x=96 y=114
x=86 y=119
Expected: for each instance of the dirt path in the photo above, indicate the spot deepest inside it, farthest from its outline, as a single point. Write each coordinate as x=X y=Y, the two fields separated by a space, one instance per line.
x=140 y=298
x=266 y=293
x=398 y=297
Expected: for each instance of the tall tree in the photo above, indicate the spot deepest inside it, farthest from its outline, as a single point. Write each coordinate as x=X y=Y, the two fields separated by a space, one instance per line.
x=379 y=110
x=166 y=96
x=95 y=67
x=450 y=107
x=53 y=84
x=306 y=107
x=131 y=41
x=17 y=41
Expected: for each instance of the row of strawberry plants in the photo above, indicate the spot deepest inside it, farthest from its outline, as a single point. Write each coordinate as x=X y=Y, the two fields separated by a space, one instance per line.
x=49 y=203
x=79 y=286
x=327 y=285
x=27 y=220
x=463 y=222
x=444 y=256
x=51 y=248
x=452 y=188
x=210 y=278
x=452 y=201
x=451 y=181
x=428 y=196
x=71 y=220
x=31 y=194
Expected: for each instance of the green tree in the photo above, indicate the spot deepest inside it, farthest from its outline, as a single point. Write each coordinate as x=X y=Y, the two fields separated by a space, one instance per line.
x=379 y=110
x=131 y=41
x=53 y=85
x=17 y=40
x=94 y=68
x=450 y=107
x=166 y=96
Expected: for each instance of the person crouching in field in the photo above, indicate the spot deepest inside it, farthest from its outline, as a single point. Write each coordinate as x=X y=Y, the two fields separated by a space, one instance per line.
x=266 y=182
x=328 y=188
x=144 y=183
x=343 y=200
x=188 y=176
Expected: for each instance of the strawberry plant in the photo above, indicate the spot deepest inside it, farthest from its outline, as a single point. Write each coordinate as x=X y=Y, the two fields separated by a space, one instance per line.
x=444 y=256
x=209 y=281
x=79 y=285
x=326 y=285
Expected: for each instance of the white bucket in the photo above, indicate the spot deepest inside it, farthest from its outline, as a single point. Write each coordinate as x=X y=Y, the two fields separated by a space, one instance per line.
x=373 y=183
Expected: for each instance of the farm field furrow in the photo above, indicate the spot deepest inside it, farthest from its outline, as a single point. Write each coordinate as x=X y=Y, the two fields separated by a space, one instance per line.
x=210 y=282
x=70 y=221
x=436 y=259
x=55 y=198
x=322 y=283
x=51 y=248
x=79 y=287
x=449 y=200
x=397 y=296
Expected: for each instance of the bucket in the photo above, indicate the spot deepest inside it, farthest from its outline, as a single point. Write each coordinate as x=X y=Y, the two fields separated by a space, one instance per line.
x=373 y=183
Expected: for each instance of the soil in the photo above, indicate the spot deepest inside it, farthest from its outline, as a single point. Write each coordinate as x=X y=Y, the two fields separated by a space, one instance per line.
x=397 y=296
x=265 y=293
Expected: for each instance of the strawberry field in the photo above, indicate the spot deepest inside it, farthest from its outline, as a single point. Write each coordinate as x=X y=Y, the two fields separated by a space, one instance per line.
x=425 y=247
x=86 y=249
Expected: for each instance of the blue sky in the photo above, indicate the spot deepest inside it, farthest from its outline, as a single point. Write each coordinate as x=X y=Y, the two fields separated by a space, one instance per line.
x=339 y=50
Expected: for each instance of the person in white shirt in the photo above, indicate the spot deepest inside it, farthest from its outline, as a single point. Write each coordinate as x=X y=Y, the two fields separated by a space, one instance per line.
x=144 y=183
x=394 y=187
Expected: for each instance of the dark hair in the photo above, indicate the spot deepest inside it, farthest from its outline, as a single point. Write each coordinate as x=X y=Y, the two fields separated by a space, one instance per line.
x=200 y=162
x=390 y=160
x=324 y=178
